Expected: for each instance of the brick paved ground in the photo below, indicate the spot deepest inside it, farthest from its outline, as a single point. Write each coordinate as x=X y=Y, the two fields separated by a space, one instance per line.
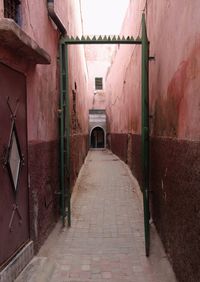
x=106 y=241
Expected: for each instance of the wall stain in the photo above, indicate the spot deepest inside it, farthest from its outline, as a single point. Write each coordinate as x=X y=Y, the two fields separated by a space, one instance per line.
x=168 y=118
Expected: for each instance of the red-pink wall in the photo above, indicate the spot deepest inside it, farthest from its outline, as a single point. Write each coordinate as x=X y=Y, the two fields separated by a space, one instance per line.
x=174 y=37
x=123 y=78
x=98 y=59
x=43 y=84
x=174 y=76
x=174 y=84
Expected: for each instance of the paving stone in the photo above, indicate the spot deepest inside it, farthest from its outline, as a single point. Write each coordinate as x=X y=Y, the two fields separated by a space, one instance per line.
x=107 y=275
x=85 y=267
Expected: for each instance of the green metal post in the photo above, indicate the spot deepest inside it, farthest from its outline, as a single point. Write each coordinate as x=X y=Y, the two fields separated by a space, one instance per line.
x=145 y=132
x=64 y=135
x=67 y=134
x=62 y=162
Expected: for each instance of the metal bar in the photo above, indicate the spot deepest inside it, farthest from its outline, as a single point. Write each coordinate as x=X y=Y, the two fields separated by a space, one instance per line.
x=15 y=208
x=145 y=132
x=101 y=40
x=62 y=174
x=75 y=42
x=11 y=220
x=67 y=131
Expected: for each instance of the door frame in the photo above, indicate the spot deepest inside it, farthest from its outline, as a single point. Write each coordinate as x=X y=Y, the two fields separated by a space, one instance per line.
x=104 y=134
x=65 y=119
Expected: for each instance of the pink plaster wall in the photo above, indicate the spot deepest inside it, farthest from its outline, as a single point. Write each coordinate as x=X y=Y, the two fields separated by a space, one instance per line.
x=98 y=59
x=43 y=80
x=42 y=108
x=173 y=32
x=174 y=84
x=77 y=67
x=123 y=79
x=174 y=76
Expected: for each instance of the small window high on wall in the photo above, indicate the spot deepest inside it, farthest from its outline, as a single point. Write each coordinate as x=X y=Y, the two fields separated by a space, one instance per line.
x=11 y=9
x=98 y=83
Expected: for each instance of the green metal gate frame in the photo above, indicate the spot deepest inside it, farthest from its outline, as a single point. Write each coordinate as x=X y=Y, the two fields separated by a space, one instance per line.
x=65 y=119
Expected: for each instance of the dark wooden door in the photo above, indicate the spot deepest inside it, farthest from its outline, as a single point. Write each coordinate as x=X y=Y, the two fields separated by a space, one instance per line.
x=14 y=219
x=97 y=138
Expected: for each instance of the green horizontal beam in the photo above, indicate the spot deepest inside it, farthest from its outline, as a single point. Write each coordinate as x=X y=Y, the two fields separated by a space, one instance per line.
x=101 y=40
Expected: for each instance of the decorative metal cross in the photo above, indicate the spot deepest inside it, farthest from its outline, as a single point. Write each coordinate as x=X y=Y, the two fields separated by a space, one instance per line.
x=13 y=159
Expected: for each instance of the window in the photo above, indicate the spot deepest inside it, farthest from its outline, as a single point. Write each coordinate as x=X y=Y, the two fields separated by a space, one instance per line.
x=98 y=83
x=11 y=9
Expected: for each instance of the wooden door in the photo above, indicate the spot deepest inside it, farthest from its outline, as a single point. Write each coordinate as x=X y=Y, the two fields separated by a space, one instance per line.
x=14 y=218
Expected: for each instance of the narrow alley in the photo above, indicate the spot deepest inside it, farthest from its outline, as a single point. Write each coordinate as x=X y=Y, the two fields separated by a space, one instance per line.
x=106 y=241
x=99 y=141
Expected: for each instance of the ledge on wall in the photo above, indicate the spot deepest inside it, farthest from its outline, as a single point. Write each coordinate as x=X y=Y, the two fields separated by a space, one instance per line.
x=14 y=38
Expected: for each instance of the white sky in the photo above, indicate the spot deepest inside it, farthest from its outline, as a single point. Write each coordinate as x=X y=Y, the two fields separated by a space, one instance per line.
x=103 y=17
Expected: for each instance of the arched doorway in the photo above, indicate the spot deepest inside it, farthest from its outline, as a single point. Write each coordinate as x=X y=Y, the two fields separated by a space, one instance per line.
x=97 y=138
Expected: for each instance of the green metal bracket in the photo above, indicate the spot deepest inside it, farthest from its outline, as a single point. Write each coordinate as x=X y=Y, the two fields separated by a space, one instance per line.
x=145 y=133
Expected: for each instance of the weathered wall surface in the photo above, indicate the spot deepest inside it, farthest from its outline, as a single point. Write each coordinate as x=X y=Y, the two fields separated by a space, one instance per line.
x=42 y=108
x=175 y=133
x=123 y=79
x=78 y=93
x=42 y=119
x=98 y=61
x=43 y=103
